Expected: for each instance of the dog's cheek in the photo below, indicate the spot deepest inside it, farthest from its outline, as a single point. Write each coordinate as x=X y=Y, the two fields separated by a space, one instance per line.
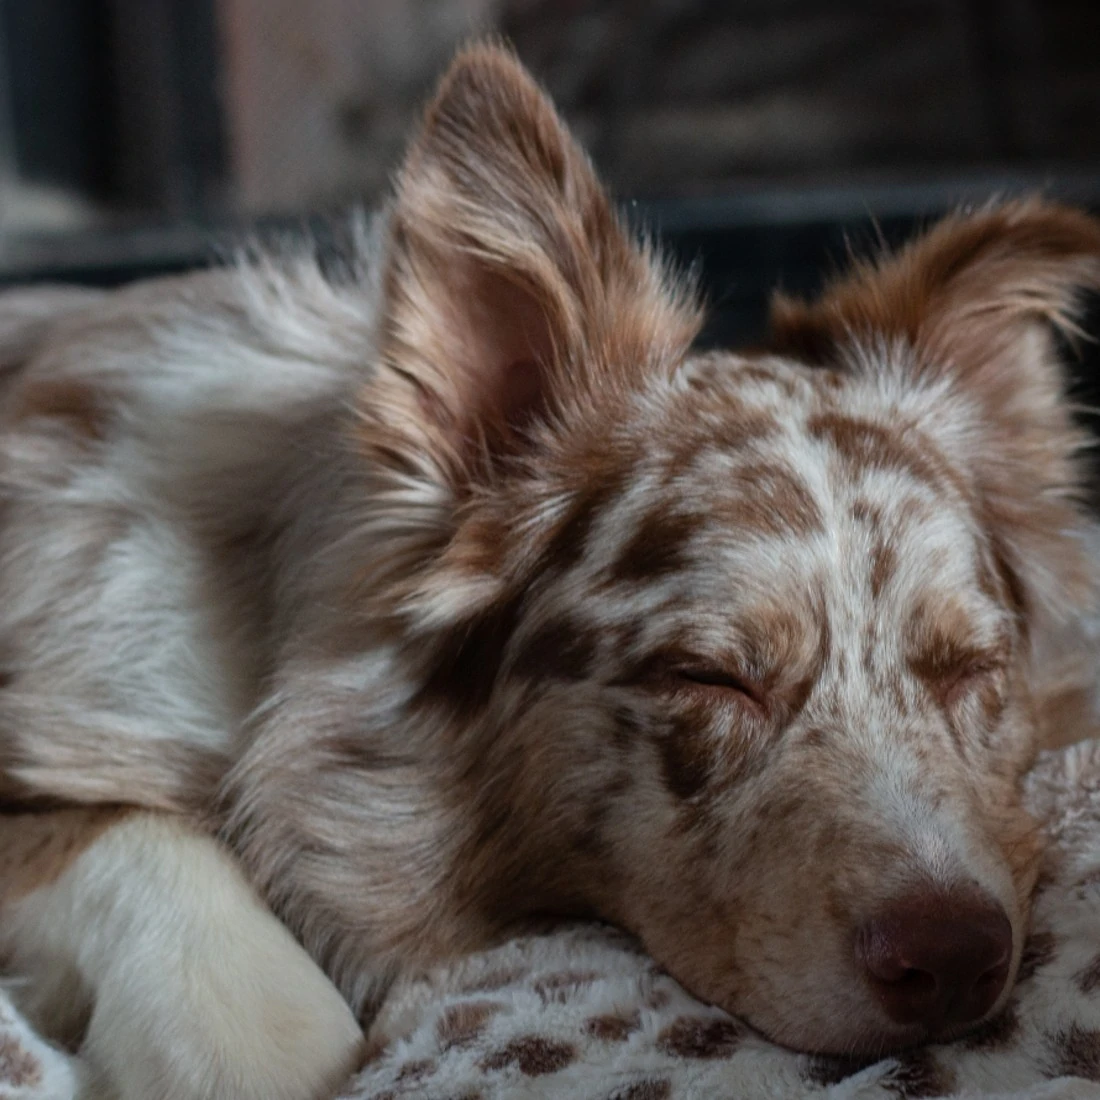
x=719 y=898
x=671 y=867
x=996 y=778
x=1020 y=841
x=1010 y=830
x=560 y=803
x=781 y=957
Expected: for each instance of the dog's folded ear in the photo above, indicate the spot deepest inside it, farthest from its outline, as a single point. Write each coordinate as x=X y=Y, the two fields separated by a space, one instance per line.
x=511 y=288
x=974 y=307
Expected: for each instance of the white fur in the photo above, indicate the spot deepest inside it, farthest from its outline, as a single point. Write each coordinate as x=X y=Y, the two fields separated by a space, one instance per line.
x=195 y=989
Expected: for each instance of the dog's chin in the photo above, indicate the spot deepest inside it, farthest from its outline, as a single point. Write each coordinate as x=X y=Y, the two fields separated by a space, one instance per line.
x=869 y=1043
x=864 y=1046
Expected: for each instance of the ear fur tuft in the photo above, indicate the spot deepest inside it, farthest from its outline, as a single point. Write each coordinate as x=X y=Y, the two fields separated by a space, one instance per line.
x=976 y=302
x=512 y=291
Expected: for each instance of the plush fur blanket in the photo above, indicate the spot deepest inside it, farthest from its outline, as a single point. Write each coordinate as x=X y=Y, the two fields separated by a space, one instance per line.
x=582 y=1013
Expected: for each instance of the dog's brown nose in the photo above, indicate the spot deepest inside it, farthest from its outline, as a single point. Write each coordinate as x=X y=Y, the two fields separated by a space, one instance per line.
x=937 y=959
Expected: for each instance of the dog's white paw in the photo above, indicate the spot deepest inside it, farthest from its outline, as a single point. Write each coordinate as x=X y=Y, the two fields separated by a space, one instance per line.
x=214 y=997
x=254 y=1019
x=196 y=991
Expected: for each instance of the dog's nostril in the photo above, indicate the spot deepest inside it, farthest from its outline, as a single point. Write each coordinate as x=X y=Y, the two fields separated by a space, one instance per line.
x=917 y=983
x=937 y=959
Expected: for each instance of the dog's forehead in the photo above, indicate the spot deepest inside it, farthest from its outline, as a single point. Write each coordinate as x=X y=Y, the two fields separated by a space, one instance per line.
x=782 y=509
x=767 y=463
x=749 y=487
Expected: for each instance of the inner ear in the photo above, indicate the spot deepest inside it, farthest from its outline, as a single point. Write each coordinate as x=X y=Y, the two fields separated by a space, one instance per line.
x=511 y=290
x=477 y=348
x=508 y=349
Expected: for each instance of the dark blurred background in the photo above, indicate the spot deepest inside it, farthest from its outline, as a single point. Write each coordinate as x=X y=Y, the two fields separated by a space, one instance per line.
x=762 y=137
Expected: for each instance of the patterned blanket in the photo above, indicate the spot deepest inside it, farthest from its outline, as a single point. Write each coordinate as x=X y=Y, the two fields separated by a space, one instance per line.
x=580 y=1012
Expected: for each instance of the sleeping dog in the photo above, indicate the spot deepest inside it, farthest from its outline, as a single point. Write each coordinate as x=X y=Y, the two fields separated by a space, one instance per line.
x=405 y=601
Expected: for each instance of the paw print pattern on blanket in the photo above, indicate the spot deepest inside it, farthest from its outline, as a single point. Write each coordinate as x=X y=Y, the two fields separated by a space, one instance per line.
x=581 y=1012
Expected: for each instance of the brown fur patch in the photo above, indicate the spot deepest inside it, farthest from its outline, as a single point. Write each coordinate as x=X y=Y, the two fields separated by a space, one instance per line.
x=686 y=755
x=884 y=564
x=736 y=426
x=815 y=738
x=494 y=980
x=919 y=1074
x=831 y=1069
x=942 y=653
x=652 y=1088
x=863 y=444
x=412 y=1073
x=37 y=849
x=558 y=650
x=612 y=1027
x=1088 y=978
x=560 y=987
x=1077 y=1052
x=773 y=502
x=568 y=543
x=760 y=372
x=741 y=426
x=74 y=403
x=467 y=659
x=943 y=658
x=658 y=547
x=869 y=514
x=1039 y=952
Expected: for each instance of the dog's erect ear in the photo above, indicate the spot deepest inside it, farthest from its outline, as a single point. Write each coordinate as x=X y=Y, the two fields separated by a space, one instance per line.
x=976 y=303
x=511 y=288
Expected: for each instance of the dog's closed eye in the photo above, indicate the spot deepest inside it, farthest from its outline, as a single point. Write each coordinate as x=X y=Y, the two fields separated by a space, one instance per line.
x=698 y=679
x=708 y=679
x=968 y=679
x=953 y=680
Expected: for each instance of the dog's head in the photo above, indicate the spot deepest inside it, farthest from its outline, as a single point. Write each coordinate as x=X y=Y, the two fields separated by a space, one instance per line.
x=733 y=650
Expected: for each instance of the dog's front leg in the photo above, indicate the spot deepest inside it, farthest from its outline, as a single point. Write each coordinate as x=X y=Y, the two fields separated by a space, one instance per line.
x=140 y=935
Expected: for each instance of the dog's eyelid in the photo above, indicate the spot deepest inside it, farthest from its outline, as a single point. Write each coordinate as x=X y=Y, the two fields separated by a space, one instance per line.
x=721 y=679
x=680 y=669
x=953 y=680
x=949 y=660
x=991 y=662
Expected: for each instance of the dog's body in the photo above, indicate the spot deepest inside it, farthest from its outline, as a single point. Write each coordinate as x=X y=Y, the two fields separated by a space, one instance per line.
x=456 y=589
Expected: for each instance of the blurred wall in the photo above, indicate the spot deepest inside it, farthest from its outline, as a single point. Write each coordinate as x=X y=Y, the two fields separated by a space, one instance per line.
x=319 y=99
x=671 y=96
x=183 y=110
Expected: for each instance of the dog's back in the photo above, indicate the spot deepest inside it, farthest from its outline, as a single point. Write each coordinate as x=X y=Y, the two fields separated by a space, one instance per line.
x=150 y=440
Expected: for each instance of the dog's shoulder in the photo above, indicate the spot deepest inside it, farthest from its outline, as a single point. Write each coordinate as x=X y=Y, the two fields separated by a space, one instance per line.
x=152 y=444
